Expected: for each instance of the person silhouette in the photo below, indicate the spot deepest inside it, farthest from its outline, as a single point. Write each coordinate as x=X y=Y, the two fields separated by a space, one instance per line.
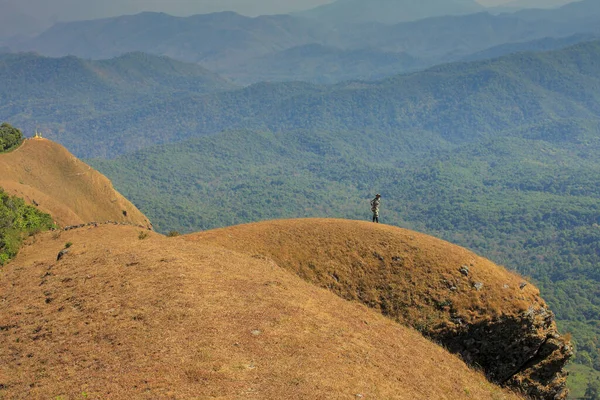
x=375 y=207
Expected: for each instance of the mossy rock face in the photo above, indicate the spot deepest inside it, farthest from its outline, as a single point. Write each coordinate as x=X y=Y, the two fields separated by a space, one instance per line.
x=489 y=316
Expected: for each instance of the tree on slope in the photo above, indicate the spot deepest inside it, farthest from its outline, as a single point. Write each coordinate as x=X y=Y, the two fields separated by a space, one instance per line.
x=9 y=137
x=593 y=390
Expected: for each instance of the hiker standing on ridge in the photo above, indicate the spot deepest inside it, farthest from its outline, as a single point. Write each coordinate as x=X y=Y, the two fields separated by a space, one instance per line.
x=375 y=207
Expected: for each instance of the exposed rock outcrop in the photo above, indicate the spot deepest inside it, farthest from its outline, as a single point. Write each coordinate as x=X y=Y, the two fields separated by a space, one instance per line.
x=525 y=352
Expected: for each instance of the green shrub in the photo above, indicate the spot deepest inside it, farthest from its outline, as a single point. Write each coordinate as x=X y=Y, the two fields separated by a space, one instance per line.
x=9 y=137
x=17 y=221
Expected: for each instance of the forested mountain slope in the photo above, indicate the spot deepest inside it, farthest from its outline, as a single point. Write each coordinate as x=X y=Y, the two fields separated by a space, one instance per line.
x=49 y=93
x=449 y=104
x=29 y=76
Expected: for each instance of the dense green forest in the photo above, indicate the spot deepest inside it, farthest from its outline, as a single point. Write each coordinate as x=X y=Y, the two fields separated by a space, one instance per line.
x=530 y=203
x=17 y=221
x=10 y=137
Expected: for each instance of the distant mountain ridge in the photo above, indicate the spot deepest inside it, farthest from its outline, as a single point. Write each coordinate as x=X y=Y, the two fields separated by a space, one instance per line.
x=139 y=72
x=545 y=44
x=457 y=101
x=62 y=90
x=256 y=49
x=389 y=11
x=323 y=64
x=525 y=4
x=201 y=38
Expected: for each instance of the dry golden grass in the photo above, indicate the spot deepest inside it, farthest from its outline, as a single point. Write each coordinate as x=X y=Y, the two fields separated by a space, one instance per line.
x=186 y=318
x=63 y=186
x=410 y=276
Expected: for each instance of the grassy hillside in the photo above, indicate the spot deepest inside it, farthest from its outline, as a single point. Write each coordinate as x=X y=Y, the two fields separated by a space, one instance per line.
x=45 y=174
x=125 y=316
x=444 y=291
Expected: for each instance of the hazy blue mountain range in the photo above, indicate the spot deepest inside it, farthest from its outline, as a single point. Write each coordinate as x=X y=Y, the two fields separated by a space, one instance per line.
x=584 y=12
x=51 y=93
x=545 y=44
x=318 y=63
x=28 y=76
x=389 y=11
x=271 y=47
x=528 y=4
x=449 y=103
x=209 y=39
x=450 y=37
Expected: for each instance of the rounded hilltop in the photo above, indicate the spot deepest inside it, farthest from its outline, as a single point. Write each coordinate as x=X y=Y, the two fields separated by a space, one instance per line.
x=44 y=173
x=124 y=315
x=490 y=316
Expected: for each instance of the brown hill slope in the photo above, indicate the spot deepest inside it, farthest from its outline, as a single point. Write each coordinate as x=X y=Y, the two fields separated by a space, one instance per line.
x=124 y=316
x=488 y=315
x=45 y=173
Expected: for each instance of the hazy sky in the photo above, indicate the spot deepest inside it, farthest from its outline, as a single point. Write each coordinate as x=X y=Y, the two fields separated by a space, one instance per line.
x=83 y=9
